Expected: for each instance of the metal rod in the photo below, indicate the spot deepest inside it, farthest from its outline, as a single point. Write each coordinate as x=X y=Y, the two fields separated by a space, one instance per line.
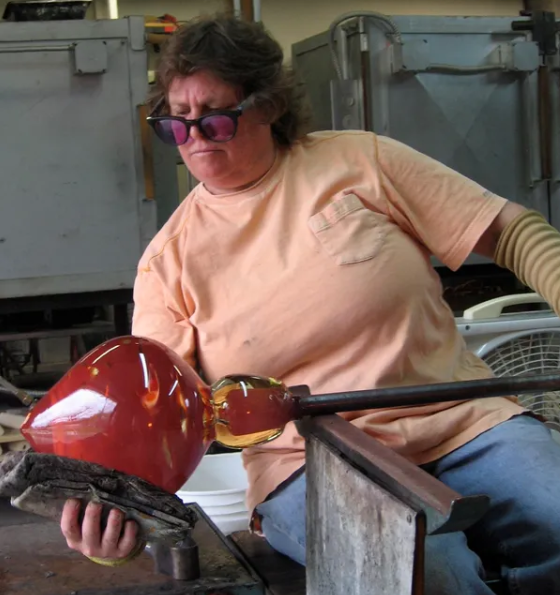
x=237 y=8
x=545 y=120
x=408 y=396
x=452 y=69
x=342 y=47
x=257 y=11
x=36 y=48
x=25 y=398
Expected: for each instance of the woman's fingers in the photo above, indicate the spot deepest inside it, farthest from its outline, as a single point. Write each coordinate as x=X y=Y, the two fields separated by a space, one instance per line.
x=112 y=533
x=129 y=539
x=91 y=530
x=118 y=539
x=70 y=523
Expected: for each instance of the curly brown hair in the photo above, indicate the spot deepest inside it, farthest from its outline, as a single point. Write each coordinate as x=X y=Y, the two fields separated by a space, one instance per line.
x=243 y=54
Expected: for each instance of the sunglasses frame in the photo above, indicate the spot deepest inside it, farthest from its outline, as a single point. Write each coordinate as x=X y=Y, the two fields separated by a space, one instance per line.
x=233 y=114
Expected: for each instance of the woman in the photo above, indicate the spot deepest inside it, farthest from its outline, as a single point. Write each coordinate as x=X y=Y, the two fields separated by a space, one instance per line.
x=307 y=258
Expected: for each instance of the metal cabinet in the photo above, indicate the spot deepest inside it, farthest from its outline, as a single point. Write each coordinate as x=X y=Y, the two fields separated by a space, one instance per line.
x=463 y=90
x=74 y=215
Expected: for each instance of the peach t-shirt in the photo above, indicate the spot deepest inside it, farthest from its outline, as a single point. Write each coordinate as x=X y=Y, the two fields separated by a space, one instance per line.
x=320 y=274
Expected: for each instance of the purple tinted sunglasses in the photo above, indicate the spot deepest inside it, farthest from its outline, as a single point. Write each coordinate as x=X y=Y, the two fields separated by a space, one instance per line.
x=218 y=126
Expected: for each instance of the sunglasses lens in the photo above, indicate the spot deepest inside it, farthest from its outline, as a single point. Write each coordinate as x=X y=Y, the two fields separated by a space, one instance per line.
x=172 y=132
x=218 y=128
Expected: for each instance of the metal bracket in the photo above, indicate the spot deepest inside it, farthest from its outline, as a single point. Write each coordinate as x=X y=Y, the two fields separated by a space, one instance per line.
x=414 y=57
x=90 y=57
x=521 y=56
x=137 y=33
x=543 y=26
x=347 y=104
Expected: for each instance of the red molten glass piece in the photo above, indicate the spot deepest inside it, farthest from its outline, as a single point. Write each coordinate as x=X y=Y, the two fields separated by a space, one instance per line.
x=132 y=405
x=258 y=410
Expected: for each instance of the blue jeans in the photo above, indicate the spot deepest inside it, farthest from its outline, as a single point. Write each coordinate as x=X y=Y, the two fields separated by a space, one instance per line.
x=517 y=464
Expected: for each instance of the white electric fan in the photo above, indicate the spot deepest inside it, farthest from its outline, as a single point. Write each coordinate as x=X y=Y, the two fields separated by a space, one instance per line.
x=521 y=350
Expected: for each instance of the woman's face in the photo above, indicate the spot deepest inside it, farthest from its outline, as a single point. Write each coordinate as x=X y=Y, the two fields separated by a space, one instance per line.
x=222 y=167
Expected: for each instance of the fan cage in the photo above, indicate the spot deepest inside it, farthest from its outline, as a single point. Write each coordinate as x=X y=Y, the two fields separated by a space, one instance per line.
x=525 y=354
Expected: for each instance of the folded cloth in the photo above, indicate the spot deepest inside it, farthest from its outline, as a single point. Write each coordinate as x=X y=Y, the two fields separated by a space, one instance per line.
x=41 y=484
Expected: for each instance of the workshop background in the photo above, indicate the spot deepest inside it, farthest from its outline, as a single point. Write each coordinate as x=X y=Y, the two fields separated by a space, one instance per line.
x=474 y=83
x=85 y=186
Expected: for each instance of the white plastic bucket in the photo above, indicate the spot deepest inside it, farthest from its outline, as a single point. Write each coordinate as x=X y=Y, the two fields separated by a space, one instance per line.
x=230 y=523
x=218 y=486
x=237 y=508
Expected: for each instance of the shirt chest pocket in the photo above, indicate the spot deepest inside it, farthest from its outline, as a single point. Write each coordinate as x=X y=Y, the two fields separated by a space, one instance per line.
x=348 y=231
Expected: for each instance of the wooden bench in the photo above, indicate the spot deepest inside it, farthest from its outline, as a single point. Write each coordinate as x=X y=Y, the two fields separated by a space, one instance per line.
x=364 y=502
x=282 y=576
